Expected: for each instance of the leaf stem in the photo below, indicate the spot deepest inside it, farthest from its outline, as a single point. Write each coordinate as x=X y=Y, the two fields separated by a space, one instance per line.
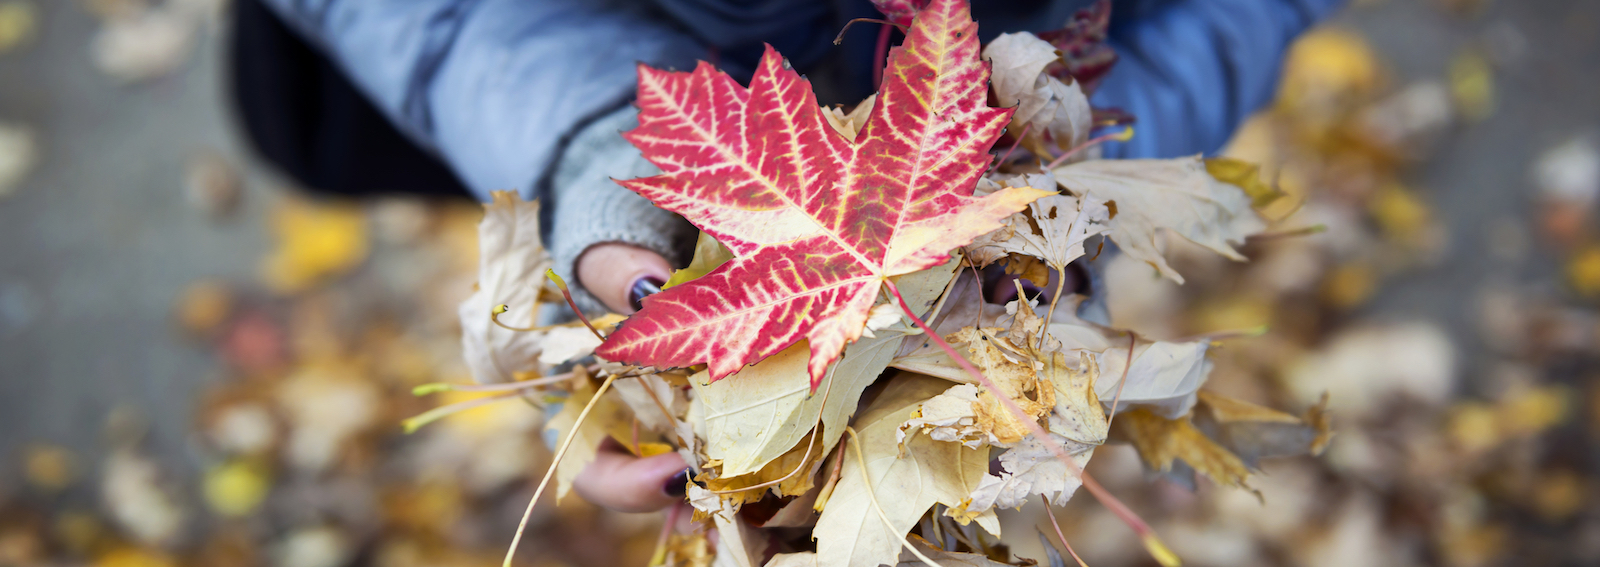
x=1123 y=136
x=1062 y=537
x=1133 y=340
x=413 y=424
x=1061 y=282
x=1018 y=142
x=1153 y=544
x=562 y=285
x=1292 y=233
x=561 y=452
x=494 y=317
x=880 y=56
x=838 y=39
x=436 y=387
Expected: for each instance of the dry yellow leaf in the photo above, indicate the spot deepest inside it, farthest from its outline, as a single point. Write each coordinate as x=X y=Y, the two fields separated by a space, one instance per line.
x=1472 y=84
x=795 y=485
x=49 y=467
x=906 y=482
x=314 y=241
x=1583 y=271
x=1247 y=176
x=236 y=488
x=1161 y=441
x=511 y=267
x=134 y=557
x=608 y=418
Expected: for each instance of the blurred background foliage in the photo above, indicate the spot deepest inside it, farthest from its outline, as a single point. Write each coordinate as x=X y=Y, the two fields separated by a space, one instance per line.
x=200 y=365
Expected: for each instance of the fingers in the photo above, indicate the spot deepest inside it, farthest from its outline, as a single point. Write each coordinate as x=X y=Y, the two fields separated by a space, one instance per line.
x=620 y=275
x=619 y=481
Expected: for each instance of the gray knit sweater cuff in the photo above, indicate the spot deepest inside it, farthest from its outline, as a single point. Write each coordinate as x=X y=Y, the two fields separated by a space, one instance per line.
x=592 y=209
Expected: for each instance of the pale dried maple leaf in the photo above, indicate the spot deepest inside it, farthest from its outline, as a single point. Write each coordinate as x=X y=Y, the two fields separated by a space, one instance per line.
x=1177 y=195
x=511 y=267
x=1045 y=105
x=816 y=222
x=1052 y=229
x=907 y=482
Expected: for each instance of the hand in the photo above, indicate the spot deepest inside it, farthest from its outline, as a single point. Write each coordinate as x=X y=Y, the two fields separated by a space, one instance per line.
x=619 y=481
x=620 y=275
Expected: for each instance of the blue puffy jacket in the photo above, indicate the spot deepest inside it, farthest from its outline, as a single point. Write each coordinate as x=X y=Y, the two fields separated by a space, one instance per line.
x=529 y=94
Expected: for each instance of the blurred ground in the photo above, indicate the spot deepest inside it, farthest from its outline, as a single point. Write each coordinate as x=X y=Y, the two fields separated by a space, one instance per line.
x=149 y=419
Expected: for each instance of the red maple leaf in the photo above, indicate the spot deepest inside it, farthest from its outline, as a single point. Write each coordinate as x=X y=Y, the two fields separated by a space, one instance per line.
x=816 y=222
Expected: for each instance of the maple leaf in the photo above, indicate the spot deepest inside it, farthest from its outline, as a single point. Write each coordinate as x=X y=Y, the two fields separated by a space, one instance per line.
x=1172 y=194
x=1053 y=229
x=816 y=222
x=511 y=265
x=905 y=481
x=1045 y=105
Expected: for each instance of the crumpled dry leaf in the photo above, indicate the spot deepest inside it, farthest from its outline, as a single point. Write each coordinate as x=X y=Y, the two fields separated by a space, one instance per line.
x=1164 y=377
x=1246 y=176
x=945 y=558
x=1160 y=441
x=761 y=415
x=511 y=267
x=1052 y=229
x=647 y=396
x=986 y=420
x=1077 y=422
x=1045 y=105
x=907 y=481
x=1178 y=195
x=774 y=470
x=565 y=344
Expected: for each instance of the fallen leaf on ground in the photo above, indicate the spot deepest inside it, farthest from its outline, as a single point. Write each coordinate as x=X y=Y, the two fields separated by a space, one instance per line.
x=19 y=152
x=314 y=242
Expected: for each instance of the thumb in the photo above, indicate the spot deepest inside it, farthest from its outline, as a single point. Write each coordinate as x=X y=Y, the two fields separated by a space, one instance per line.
x=620 y=275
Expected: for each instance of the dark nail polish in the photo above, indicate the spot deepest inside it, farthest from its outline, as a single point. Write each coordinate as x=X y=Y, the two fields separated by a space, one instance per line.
x=678 y=485
x=642 y=288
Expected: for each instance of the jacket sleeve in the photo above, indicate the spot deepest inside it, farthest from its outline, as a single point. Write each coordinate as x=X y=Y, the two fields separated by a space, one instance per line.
x=494 y=87
x=1190 y=72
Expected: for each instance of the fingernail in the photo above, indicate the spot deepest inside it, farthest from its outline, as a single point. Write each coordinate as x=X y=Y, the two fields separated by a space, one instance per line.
x=677 y=486
x=642 y=288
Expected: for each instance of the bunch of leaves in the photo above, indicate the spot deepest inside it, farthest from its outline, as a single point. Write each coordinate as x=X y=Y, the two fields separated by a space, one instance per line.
x=836 y=246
